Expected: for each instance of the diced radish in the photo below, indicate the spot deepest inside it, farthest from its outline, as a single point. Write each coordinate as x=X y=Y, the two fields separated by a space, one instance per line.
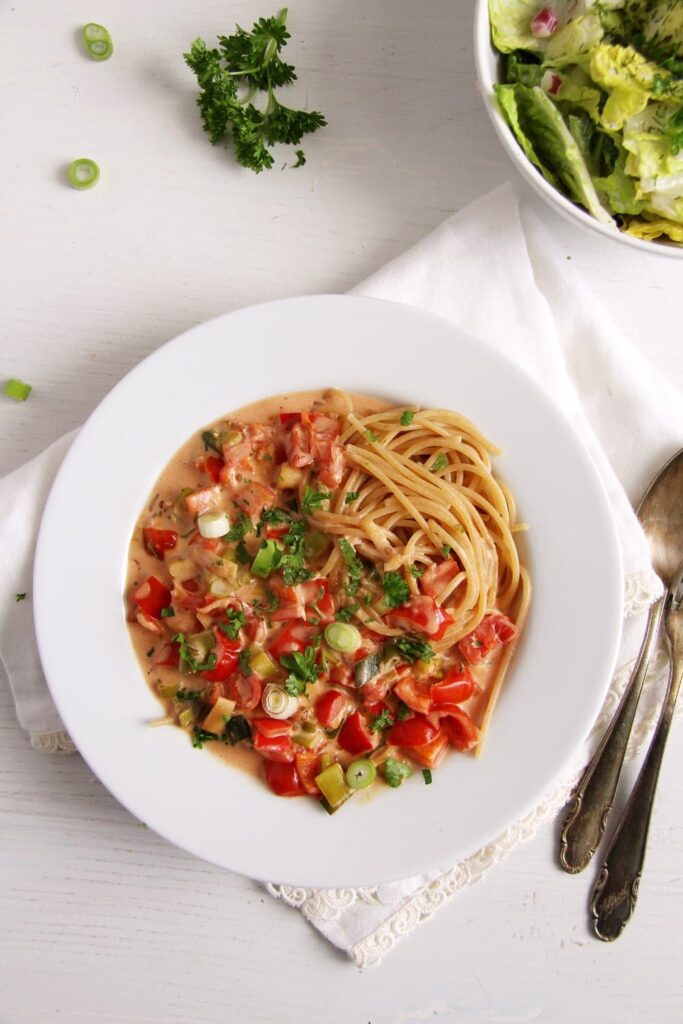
x=544 y=23
x=551 y=83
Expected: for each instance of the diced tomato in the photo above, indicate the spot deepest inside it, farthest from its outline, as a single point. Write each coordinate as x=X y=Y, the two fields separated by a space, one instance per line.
x=308 y=766
x=149 y=623
x=376 y=690
x=254 y=497
x=461 y=730
x=288 y=419
x=151 y=596
x=299 y=452
x=283 y=779
x=274 y=748
x=438 y=576
x=291 y=602
x=454 y=688
x=330 y=708
x=342 y=675
x=213 y=466
x=276 y=531
x=493 y=631
x=168 y=654
x=226 y=651
x=355 y=736
x=317 y=600
x=159 y=541
x=329 y=455
x=412 y=732
x=331 y=469
x=256 y=630
x=205 y=500
x=421 y=613
x=429 y=754
x=235 y=453
x=415 y=694
x=296 y=636
x=270 y=727
x=244 y=690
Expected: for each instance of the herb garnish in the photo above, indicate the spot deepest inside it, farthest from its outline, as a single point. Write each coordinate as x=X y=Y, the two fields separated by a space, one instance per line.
x=168 y=612
x=187 y=656
x=351 y=496
x=382 y=721
x=347 y=613
x=20 y=597
x=211 y=441
x=292 y=562
x=313 y=500
x=415 y=570
x=402 y=712
x=244 y=660
x=302 y=669
x=236 y=620
x=250 y=60
x=182 y=694
x=395 y=772
x=396 y=589
x=354 y=566
x=407 y=418
x=446 y=550
x=427 y=776
x=371 y=436
x=413 y=648
x=439 y=463
x=240 y=528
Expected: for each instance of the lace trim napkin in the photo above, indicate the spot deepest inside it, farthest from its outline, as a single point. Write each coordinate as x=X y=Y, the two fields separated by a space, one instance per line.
x=493 y=270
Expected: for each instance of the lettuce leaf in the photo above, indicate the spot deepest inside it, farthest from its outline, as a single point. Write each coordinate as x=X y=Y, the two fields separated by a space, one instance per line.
x=618 y=190
x=511 y=25
x=555 y=151
x=650 y=229
x=654 y=160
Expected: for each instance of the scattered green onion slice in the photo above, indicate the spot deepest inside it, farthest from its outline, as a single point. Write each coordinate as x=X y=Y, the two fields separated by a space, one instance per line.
x=17 y=390
x=97 y=41
x=361 y=774
x=83 y=173
x=427 y=776
x=213 y=524
x=277 y=703
x=342 y=637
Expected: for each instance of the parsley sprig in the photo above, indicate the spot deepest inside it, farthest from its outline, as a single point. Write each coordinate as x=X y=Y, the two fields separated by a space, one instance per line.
x=412 y=648
x=354 y=566
x=302 y=669
x=396 y=590
x=251 y=62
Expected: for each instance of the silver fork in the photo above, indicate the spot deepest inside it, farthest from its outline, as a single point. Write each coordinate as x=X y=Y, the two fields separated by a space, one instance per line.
x=616 y=891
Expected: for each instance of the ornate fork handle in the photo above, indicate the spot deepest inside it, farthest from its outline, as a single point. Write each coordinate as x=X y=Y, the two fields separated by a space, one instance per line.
x=592 y=798
x=616 y=891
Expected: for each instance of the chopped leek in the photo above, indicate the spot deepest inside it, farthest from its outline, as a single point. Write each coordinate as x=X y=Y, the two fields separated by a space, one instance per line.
x=83 y=173
x=332 y=785
x=342 y=637
x=277 y=703
x=17 y=390
x=361 y=774
x=97 y=41
x=267 y=558
x=262 y=665
x=213 y=524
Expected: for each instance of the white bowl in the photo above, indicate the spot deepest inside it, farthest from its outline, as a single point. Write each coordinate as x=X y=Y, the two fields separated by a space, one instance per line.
x=487 y=61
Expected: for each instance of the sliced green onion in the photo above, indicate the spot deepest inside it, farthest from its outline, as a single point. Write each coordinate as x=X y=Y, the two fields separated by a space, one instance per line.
x=213 y=524
x=427 y=776
x=83 y=173
x=343 y=637
x=361 y=774
x=277 y=703
x=17 y=390
x=97 y=41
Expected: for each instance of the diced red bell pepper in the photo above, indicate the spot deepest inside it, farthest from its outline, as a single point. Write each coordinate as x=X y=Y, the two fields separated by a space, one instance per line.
x=454 y=688
x=298 y=446
x=205 y=500
x=151 y=596
x=493 y=631
x=461 y=730
x=295 y=636
x=415 y=694
x=254 y=497
x=213 y=466
x=159 y=541
x=270 y=727
x=149 y=623
x=283 y=779
x=275 y=531
x=413 y=732
x=438 y=576
x=317 y=599
x=429 y=754
x=421 y=613
x=288 y=419
x=273 y=748
x=226 y=651
x=355 y=736
x=330 y=708
x=308 y=766
x=167 y=655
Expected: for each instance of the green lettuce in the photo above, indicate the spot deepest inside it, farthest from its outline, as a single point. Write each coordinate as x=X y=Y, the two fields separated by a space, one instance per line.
x=655 y=161
x=618 y=189
x=511 y=25
x=556 y=153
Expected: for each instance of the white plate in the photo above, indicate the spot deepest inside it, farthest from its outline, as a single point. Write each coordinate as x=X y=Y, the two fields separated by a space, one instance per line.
x=554 y=689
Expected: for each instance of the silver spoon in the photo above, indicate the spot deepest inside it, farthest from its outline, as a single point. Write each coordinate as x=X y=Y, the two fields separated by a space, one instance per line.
x=616 y=891
x=661 y=515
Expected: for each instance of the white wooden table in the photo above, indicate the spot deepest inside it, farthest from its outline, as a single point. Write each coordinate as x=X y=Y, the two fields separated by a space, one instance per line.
x=100 y=920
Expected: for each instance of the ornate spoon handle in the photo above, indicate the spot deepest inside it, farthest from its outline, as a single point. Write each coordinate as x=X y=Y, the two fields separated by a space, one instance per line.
x=616 y=891
x=592 y=798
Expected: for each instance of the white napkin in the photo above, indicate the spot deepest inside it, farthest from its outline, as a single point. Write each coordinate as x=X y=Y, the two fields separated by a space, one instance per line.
x=493 y=270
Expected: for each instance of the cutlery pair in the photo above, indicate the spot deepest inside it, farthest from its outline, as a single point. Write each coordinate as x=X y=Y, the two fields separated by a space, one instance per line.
x=616 y=890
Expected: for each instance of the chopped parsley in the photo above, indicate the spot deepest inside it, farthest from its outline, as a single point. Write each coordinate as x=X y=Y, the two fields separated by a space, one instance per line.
x=236 y=729
x=415 y=570
x=300 y=158
x=20 y=597
x=149 y=653
x=240 y=528
x=272 y=601
x=243 y=556
x=396 y=589
x=412 y=648
x=236 y=620
x=190 y=662
x=201 y=736
x=244 y=662
x=446 y=550
x=371 y=436
x=351 y=496
x=272 y=516
x=354 y=566
x=168 y=612
x=347 y=613
x=427 y=776
x=211 y=441
x=395 y=772
x=407 y=418
x=439 y=463
x=382 y=721
x=292 y=562
x=302 y=670
x=313 y=500
x=182 y=694
x=402 y=712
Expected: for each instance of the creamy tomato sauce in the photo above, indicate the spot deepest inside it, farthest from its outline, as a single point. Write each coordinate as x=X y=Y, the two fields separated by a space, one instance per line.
x=244 y=622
